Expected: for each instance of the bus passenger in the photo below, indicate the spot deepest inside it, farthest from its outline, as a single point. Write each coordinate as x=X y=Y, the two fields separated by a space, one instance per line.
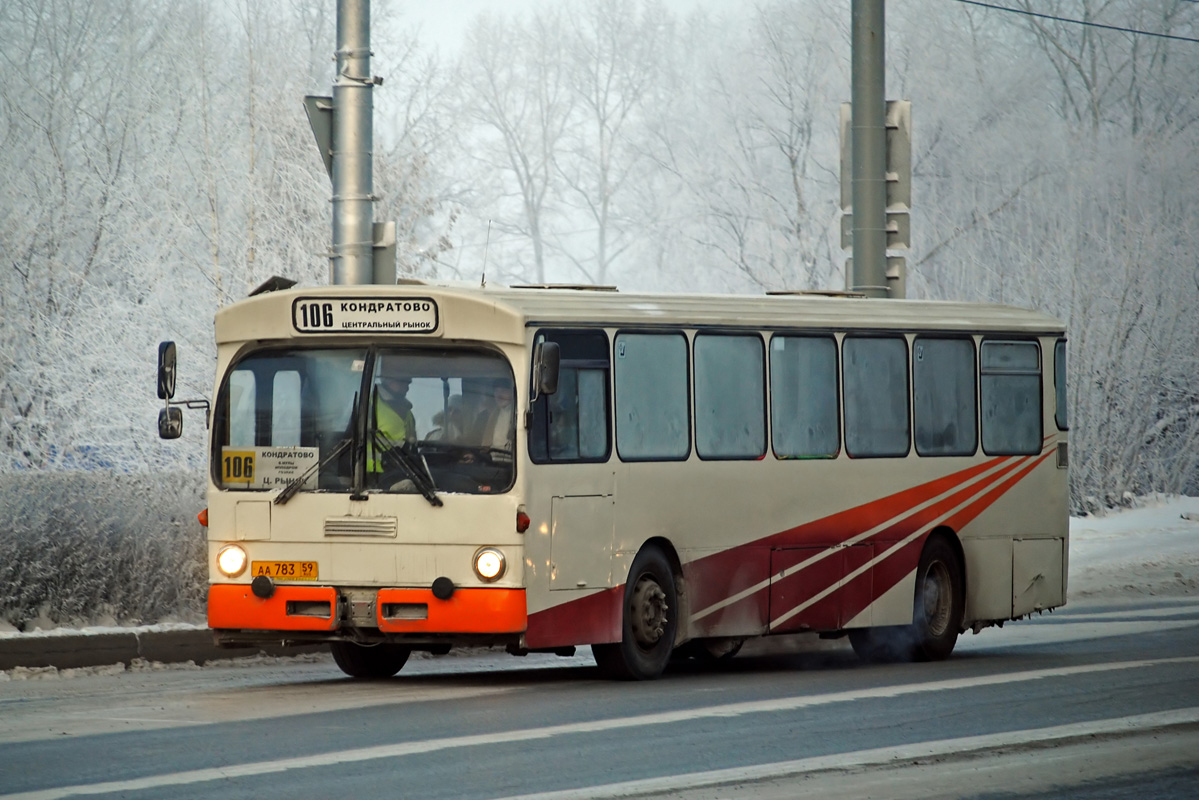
x=450 y=424
x=497 y=426
x=474 y=404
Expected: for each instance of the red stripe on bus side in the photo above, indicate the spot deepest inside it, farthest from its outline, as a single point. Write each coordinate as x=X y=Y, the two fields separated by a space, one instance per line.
x=594 y=618
x=898 y=565
x=838 y=527
x=713 y=578
x=721 y=575
x=862 y=590
x=967 y=515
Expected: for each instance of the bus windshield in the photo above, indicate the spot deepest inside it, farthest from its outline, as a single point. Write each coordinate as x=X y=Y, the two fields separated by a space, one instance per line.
x=398 y=420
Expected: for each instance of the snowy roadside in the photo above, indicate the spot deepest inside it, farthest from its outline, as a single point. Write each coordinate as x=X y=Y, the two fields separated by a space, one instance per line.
x=1151 y=550
x=1146 y=551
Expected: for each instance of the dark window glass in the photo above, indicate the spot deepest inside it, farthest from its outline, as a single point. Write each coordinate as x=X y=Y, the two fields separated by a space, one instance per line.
x=279 y=410
x=1059 y=385
x=944 y=397
x=453 y=410
x=572 y=423
x=730 y=397
x=285 y=409
x=875 y=374
x=1010 y=384
x=652 y=407
x=803 y=396
x=283 y=413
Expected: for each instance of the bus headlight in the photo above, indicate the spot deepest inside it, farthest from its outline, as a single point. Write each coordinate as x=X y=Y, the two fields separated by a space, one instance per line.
x=489 y=564
x=231 y=560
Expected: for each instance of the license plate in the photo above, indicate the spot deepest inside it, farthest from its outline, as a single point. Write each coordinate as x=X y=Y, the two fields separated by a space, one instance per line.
x=285 y=570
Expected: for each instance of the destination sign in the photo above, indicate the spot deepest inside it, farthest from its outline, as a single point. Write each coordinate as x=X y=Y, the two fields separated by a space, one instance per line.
x=404 y=315
x=268 y=467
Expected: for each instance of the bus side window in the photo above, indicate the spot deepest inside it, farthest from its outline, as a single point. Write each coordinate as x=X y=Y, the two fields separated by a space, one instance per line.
x=1010 y=381
x=730 y=396
x=572 y=424
x=805 y=415
x=653 y=403
x=875 y=374
x=1059 y=385
x=945 y=402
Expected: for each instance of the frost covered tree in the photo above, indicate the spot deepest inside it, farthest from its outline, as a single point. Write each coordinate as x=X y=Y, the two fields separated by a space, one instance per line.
x=78 y=105
x=1061 y=180
x=613 y=56
x=157 y=164
x=761 y=150
x=517 y=104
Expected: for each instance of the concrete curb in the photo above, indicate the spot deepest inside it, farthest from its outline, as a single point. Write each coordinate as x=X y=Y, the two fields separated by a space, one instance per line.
x=102 y=649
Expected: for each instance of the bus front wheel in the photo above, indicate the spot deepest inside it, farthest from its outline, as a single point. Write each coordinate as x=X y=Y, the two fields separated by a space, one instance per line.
x=376 y=661
x=936 y=613
x=650 y=619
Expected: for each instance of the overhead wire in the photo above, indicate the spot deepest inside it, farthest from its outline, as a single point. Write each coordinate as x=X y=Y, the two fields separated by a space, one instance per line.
x=1082 y=21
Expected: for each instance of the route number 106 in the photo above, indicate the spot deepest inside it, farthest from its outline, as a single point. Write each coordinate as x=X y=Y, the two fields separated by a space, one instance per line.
x=316 y=315
x=238 y=467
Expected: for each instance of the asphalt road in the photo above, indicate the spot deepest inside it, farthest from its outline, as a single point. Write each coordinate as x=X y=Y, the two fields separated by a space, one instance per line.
x=1091 y=699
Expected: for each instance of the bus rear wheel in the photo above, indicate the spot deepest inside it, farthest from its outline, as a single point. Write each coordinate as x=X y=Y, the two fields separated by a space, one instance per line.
x=937 y=612
x=649 y=621
x=375 y=661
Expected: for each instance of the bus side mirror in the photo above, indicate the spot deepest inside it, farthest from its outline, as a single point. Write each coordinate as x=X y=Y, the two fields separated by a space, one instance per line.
x=166 y=373
x=549 y=358
x=170 y=418
x=170 y=423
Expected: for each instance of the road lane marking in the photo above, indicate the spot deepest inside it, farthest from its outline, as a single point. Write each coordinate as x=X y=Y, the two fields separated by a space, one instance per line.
x=773 y=705
x=1062 y=632
x=143 y=720
x=1148 y=612
x=877 y=757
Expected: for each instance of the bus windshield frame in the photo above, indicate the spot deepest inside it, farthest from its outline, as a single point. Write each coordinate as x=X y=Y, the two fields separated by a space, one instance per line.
x=366 y=419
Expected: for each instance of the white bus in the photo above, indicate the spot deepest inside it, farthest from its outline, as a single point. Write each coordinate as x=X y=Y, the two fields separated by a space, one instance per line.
x=424 y=466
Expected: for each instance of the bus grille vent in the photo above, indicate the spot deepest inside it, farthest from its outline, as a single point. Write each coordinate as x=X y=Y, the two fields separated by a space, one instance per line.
x=361 y=526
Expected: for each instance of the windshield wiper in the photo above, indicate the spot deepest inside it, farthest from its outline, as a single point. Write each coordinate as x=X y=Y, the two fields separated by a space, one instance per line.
x=289 y=491
x=411 y=462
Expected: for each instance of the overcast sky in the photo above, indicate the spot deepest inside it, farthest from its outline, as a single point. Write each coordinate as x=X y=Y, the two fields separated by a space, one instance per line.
x=445 y=21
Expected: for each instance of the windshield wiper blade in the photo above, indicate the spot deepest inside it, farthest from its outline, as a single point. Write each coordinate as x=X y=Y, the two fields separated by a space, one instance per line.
x=412 y=464
x=289 y=491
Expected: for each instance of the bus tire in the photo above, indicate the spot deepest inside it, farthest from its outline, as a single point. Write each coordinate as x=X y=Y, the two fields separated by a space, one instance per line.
x=376 y=661
x=940 y=601
x=937 y=610
x=649 y=621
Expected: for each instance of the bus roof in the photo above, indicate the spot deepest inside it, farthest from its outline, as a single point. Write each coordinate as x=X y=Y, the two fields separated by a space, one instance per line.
x=502 y=313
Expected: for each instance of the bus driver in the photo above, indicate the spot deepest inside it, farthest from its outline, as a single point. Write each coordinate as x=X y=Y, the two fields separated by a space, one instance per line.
x=393 y=421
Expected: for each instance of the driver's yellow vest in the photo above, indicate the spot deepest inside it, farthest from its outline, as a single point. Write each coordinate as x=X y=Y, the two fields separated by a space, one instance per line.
x=394 y=428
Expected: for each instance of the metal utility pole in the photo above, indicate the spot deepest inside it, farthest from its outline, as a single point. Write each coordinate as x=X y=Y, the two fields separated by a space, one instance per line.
x=353 y=142
x=363 y=250
x=869 y=273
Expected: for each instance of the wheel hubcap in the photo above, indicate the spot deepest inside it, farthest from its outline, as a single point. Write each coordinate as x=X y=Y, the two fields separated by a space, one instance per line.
x=648 y=612
x=938 y=598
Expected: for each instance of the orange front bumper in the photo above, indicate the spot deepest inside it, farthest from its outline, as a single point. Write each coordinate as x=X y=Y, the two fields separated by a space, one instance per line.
x=234 y=606
x=467 y=611
x=314 y=608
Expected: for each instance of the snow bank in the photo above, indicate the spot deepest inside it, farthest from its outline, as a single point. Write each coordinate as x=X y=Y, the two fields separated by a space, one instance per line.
x=1149 y=550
